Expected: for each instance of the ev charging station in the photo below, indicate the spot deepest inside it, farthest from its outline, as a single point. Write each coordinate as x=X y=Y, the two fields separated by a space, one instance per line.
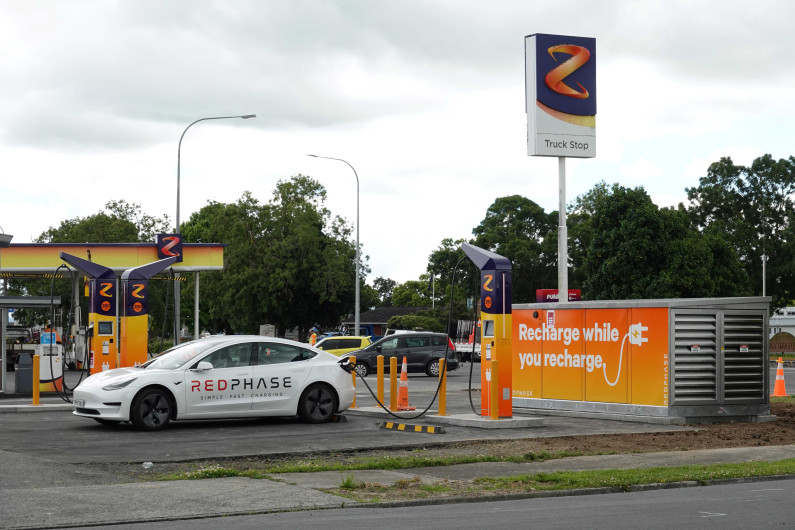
x=496 y=329
x=101 y=313
x=134 y=336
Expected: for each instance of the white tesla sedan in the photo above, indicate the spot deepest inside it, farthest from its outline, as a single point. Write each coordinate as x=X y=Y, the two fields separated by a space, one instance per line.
x=221 y=376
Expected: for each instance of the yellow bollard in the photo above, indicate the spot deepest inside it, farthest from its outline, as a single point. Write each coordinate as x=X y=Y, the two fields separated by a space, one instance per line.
x=353 y=376
x=36 y=377
x=443 y=387
x=380 y=373
x=494 y=391
x=393 y=390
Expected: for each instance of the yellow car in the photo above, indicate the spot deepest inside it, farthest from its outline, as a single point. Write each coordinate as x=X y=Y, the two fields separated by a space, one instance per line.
x=341 y=345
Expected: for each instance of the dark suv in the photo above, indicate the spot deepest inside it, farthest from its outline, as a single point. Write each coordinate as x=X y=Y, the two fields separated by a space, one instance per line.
x=422 y=352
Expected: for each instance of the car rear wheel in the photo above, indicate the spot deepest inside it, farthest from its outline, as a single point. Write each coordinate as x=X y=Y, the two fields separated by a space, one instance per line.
x=318 y=404
x=151 y=409
x=362 y=370
x=433 y=368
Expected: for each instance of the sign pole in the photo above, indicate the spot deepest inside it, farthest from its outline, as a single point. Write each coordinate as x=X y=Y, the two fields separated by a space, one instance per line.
x=563 y=235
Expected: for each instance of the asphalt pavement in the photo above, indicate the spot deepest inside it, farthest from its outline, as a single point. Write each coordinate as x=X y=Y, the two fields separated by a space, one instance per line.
x=52 y=475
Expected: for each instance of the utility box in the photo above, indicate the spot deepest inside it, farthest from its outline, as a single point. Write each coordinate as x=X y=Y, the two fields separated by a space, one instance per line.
x=23 y=374
x=663 y=361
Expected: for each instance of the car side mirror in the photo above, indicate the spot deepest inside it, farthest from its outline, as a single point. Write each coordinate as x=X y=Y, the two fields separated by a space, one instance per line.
x=204 y=366
x=378 y=348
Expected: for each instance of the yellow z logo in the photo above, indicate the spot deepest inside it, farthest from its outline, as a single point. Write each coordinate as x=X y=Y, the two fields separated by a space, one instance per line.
x=104 y=290
x=487 y=283
x=137 y=288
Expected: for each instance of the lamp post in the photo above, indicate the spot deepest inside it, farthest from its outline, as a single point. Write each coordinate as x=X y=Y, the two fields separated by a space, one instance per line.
x=179 y=156
x=356 y=311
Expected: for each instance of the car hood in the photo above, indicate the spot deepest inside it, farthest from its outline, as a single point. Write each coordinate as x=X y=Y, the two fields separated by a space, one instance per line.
x=117 y=374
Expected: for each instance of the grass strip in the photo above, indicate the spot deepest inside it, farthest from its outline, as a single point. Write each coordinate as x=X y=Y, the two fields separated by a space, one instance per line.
x=625 y=478
x=386 y=463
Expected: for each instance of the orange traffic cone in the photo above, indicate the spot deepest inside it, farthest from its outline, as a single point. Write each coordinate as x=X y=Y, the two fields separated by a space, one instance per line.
x=780 y=390
x=403 y=389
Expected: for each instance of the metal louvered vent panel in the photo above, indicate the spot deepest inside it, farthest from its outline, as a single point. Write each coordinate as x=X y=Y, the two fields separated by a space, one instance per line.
x=743 y=356
x=695 y=358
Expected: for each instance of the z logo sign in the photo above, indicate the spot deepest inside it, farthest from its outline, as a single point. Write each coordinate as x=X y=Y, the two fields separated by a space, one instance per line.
x=554 y=79
x=487 y=283
x=171 y=242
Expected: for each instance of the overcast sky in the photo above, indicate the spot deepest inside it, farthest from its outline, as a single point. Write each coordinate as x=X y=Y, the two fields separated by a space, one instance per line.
x=424 y=98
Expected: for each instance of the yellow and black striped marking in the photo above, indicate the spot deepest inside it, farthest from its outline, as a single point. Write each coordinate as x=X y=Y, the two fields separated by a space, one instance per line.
x=430 y=429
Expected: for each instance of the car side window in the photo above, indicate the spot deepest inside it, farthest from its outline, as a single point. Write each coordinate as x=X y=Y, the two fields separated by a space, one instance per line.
x=417 y=342
x=233 y=356
x=439 y=341
x=276 y=353
x=391 y=344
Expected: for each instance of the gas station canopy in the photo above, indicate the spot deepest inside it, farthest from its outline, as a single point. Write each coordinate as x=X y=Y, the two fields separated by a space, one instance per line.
x=35 y=260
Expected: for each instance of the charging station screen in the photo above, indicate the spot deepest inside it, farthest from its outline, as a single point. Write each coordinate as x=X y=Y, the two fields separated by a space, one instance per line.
x=488 y=328
x=104 y=328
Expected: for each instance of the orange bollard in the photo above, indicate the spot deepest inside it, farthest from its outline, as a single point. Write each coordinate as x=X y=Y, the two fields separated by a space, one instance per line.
x=393 y=384
x=443 y=387
x=380 y=373
x=494 y=391
x=36 y=378
x=353 y=376
x=403 y=388
x=780 y=390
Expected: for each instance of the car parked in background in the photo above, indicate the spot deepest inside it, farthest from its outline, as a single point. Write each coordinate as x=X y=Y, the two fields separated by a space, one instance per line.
x=341 y=345
x=421 y=349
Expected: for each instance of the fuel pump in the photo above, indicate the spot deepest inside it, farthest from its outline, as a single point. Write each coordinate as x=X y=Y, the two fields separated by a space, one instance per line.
x=101 y=313
x=496 y=329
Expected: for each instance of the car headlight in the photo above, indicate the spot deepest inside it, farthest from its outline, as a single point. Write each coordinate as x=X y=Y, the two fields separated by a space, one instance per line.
x=120 y=384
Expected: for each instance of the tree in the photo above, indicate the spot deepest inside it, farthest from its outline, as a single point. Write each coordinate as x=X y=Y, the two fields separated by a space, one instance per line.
x=752 y=208
x=288 y=262
x=384 y=288
x=441 y=263
x=520 y=230
x=637 y=250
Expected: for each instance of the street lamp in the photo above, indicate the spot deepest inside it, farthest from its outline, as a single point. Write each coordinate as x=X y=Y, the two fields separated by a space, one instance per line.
x=179 y=153
x=356 y=310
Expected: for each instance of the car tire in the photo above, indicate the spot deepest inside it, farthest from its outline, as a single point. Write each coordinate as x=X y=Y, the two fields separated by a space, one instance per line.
x=318 y=404
x=152 y=409
x=433 y=368
x=362 y=370
x=106 y=422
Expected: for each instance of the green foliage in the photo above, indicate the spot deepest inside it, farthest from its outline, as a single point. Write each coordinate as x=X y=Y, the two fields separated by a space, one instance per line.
x=520 y=230
x=288 y=262
x=417 y=322
x=751 y=207
x=637 y=250
x=384 y=288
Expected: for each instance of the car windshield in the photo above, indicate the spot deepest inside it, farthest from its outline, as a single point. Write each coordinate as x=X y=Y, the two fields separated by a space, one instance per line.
x=179 y=355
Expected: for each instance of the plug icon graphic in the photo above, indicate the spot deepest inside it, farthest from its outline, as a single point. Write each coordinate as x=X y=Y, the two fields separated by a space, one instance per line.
x=636 y=334
x=488 y=375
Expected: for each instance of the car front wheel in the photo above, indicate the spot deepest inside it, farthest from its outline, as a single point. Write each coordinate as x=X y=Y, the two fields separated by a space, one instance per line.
x=318 y=404
x=151 y=409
